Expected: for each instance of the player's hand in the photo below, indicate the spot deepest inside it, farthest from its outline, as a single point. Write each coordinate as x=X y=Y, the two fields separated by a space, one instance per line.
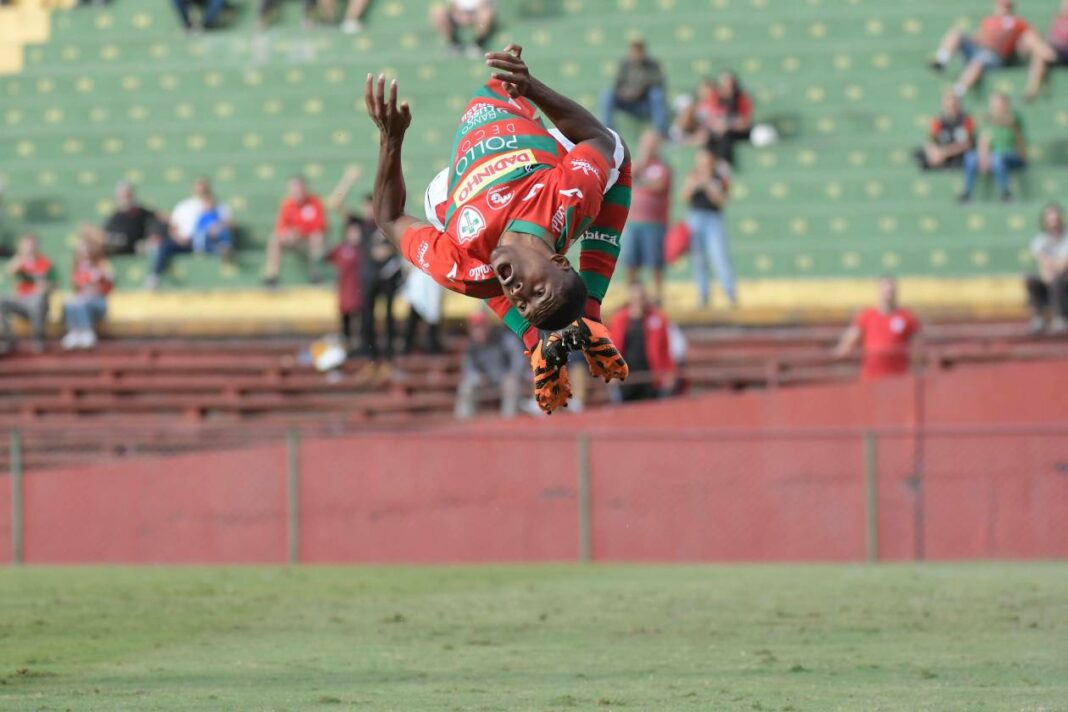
x=548 y=360
x=513 y=72
x=593 y=339
x=392 y=120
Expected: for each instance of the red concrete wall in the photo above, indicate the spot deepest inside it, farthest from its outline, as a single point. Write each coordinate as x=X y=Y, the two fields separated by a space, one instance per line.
x=698 y=479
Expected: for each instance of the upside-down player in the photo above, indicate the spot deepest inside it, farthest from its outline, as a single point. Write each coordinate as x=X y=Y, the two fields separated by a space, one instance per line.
x=517 y=199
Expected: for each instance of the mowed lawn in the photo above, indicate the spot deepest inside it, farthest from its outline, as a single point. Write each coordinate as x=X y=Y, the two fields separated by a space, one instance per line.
x=934 y=637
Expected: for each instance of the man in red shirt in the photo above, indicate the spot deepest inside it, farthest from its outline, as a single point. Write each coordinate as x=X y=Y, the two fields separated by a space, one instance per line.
x=301 y=224
x=650 y=208
x=884 y=332
x=1000 y=37
x=35 y=277
x=642 y=333
x=517 y=201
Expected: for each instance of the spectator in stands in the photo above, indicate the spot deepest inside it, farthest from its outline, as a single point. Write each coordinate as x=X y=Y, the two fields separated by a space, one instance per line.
x=301 y=225
x=494 y=358
x=650 y=207
x=424 y=297
x=347 y=259
x=352 y=23
x=638 y=91
x=1048 y=288
x=995 y=45
x=312 y=12
x=35 y=278
x=1002 y=149
x=198 y=224
x=884 y=333
x=642 y=334
x=92 y=278
x=478 y=15
x=210 y=11
x=130 y=228
x=952 y=136
x=721 y=116
x=706 y=191
x=1058 y=34
x=381 y=267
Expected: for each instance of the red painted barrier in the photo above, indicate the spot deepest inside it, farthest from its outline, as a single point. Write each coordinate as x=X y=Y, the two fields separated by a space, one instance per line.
x=666 y=483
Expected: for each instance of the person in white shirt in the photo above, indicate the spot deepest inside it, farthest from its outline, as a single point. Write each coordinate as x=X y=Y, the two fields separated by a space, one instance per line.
x=200 y=223
x=1048 y=288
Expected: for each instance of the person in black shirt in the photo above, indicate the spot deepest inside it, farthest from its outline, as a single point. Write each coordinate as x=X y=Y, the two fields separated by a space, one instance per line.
x=127 y=230
x=952 y=135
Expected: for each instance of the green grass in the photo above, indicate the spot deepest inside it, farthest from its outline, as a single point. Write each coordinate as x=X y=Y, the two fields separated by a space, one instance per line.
x=937 y=637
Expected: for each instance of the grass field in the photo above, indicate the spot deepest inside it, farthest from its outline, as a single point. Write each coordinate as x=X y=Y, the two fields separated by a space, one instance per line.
x=938 y=637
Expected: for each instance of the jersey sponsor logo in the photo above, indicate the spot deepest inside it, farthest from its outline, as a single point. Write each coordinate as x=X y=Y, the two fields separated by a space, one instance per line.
x=470 y=224
x=587 y=168
x=479 y=150
x=482 y=271
x=601 y=237
x=500 y=198
x=534 y=190
x=420 y=257
x=557 y=223
x=483 y=174
x=572 y=193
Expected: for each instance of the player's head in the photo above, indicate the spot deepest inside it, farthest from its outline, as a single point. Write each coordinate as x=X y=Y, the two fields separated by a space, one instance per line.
x=1053 y=219
x=544 y=289
x=887 y=293
x=298 y=188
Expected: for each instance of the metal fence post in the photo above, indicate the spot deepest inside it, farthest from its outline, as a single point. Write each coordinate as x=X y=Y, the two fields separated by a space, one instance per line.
x=16 y=497
x=293 y=495
x=871 y=495
x=584 y=532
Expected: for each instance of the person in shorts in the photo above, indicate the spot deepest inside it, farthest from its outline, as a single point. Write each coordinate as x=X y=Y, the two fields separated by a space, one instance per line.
x=650 y=206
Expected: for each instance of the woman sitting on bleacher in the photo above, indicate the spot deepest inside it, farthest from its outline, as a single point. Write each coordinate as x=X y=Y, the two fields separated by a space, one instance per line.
x=1002 y=149
x=92 y=279
x=721 y=115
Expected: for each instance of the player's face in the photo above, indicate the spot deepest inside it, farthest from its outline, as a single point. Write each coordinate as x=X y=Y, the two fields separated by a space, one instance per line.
x=532 y=281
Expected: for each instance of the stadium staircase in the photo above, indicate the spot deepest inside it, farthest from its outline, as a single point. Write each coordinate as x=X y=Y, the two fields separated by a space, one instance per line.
x=118 y=92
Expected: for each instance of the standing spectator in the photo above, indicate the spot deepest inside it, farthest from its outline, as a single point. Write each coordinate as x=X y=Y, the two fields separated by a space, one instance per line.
x=347 y=258
x=1002 y=149
x=130 y=228
x=92 y=279
x=424 y=297
x=1048 y=289
x=643 y=237
x=638 y=91
x=209 y=14
x=301 y=225
x=380 y=274
x=198 y=223
x=35 y=277
x=353 y=20
x=884 y=333
x=721 y=116
x=480 y=15
x=643 y=335
x=1058 y=34
x=1000 y=37
x=952 y=136
x=494 y=358
x=706 y=191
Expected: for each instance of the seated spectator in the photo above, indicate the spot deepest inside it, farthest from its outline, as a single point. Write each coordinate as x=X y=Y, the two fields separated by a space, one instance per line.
x=35 y=278
x=1002 y=149
x=650 y=208
x=130 y=228
x=884 y=333
x=952 y=136
x=1048 y=289
x=198 y=224
x=312 y=12
x=638 y=91
x=494 y=359
x=995 y=45
x=479 y=15
x=301 y=225
x=643 y=335
x=721 y=116
x=92 y=279
x=352 y=23
x=706 y=191
x=347 y=258
x=209 y=10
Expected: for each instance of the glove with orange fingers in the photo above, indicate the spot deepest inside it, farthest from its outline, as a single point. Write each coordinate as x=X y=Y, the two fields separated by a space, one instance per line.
x=592 y=338
x=548 y=360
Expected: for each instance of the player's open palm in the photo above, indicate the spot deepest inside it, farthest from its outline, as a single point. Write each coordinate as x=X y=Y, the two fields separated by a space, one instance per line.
x=391 y=119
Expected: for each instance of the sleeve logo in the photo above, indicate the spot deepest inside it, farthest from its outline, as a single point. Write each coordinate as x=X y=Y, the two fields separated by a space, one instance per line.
x=587 y=168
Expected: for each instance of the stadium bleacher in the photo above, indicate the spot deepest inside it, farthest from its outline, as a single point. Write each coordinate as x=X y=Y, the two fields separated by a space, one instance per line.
x=120 y=92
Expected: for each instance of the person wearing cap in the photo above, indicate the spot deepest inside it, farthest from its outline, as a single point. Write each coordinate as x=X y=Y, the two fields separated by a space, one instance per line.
x=638 y=91
x=494 y=358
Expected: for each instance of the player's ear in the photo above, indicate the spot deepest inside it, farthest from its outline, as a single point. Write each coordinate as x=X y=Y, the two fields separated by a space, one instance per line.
x=562 y=262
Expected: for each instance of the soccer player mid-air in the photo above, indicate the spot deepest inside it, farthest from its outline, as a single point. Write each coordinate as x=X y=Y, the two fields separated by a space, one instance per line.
x=501 y=218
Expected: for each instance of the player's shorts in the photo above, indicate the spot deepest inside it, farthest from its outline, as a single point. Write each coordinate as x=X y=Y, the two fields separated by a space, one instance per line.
x=436 y=194
x=974 y=52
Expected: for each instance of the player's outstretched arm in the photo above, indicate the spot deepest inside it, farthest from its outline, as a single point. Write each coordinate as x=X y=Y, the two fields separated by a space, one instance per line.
x=392 y=121
x=573 y=120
